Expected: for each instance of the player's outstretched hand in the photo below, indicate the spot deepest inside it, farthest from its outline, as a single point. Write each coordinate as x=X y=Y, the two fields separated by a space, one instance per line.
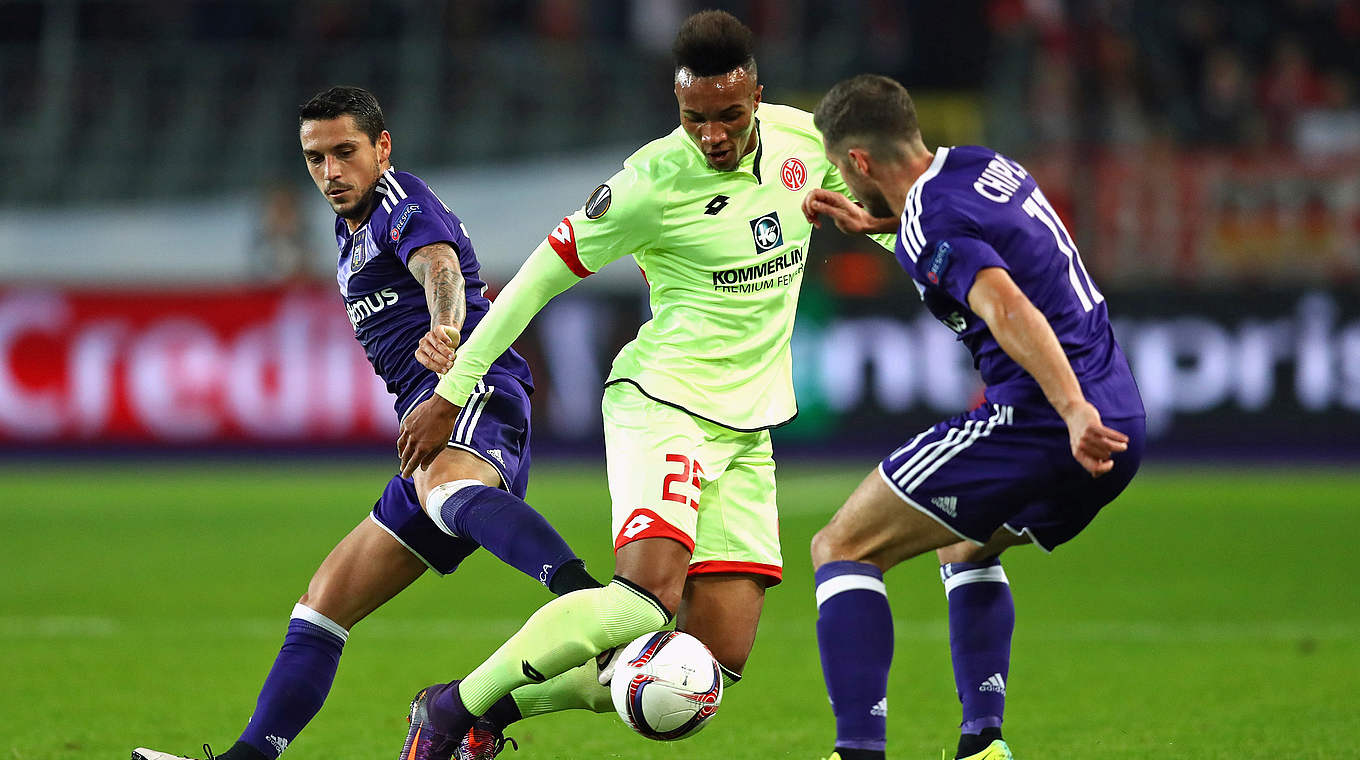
x=850 y=217
x=437 y=349
x=425 y=433
x=1093 y=444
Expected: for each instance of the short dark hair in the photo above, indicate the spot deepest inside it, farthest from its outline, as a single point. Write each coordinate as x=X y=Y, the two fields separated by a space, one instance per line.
x=874 y=110
x=710 y=43
x=341 y=101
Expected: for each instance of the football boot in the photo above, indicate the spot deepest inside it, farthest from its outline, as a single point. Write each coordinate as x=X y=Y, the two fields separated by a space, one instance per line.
x=141 y=753
x=483 y=741
x=423 y=740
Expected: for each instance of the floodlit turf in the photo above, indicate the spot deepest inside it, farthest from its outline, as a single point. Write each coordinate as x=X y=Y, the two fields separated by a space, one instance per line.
x=1208 y=614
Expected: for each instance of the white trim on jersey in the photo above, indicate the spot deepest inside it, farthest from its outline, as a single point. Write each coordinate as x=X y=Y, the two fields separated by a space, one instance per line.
x=854 y=582
x=391 y=175
x=913 y=237
x=389 y=195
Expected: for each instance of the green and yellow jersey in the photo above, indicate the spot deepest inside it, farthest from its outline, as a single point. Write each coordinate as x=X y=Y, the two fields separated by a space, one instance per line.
x=723 y=254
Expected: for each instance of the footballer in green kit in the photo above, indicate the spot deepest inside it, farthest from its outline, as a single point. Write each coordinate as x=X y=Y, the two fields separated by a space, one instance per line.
x=712 y=214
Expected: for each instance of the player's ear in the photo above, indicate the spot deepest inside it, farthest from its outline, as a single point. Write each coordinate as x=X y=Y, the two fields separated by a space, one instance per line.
x=384 y=146
x=859 y=158
x=755 y=100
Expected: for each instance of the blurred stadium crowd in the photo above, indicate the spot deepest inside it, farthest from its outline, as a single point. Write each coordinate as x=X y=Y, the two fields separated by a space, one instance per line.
x=1205 y=154
x=1125 y=108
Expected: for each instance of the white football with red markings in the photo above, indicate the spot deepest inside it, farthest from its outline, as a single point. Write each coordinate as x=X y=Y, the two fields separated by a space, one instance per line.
x=666 y=685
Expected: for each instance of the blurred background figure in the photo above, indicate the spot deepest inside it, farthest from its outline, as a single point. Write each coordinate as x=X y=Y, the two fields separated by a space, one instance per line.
x=282 y=251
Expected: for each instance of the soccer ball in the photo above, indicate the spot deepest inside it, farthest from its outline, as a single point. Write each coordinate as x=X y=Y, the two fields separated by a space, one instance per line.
x=666 y=685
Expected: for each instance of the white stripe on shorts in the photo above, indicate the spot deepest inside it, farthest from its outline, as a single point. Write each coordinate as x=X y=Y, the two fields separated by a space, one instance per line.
x=927 y=453
x=978 y=432
x=843 y=583
x=463 y=426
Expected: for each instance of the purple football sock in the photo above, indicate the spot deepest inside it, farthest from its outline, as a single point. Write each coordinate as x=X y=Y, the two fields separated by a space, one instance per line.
x=504 y=525
x=298 y=683
x=981 y=620
x=855 y=636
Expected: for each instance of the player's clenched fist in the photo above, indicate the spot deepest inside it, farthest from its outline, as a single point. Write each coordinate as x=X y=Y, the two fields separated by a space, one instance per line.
x=438 y=348
x=1093 y=444
x=425 y=432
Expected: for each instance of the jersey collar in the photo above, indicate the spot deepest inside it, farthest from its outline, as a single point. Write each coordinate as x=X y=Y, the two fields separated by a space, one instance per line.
x=749 y=163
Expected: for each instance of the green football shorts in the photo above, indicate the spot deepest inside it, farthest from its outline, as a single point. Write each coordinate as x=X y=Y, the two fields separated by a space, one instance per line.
x=674 y=475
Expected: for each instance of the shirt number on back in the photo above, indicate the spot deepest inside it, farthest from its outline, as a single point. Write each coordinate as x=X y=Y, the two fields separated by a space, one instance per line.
x=1037 y=206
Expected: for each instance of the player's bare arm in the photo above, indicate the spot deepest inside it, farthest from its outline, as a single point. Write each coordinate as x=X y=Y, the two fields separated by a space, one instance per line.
x=425 y=431
x=850 y=217
x=435 y=266
x=1025 y=335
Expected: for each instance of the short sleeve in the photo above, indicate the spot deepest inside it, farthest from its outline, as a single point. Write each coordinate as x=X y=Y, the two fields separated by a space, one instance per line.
x=951 y=261
x=621 y=217
x=418 y=222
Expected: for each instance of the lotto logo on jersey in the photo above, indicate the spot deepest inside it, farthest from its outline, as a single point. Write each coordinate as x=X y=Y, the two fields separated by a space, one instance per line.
x=563 y=241
x=793 y=174
x=645 y=523
x=767 y=232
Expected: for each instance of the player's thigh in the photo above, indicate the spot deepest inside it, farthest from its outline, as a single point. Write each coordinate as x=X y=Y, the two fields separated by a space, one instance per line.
x=654 y=469
x=967 y=551
x=723 y=611
x=876 y=526
x=367 y=568
x=455 y=464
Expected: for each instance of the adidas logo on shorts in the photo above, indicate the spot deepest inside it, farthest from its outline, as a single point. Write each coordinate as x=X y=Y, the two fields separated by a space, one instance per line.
x=947 y=504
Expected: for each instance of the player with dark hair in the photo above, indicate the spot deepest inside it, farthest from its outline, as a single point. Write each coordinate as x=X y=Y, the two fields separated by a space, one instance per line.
x=409 y=278
x=1033 y=464
x=712 y=215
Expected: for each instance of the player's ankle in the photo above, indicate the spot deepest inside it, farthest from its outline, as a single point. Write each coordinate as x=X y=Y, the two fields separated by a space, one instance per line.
x=971 y=744
x=503 y=713
x=572 y=576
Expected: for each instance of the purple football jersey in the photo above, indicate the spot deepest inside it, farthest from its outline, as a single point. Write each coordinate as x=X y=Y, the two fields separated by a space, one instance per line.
x=974 y=208
x=386 y=304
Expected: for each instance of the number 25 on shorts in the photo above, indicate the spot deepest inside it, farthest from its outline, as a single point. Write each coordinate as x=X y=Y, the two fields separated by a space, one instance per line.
x=689 y=473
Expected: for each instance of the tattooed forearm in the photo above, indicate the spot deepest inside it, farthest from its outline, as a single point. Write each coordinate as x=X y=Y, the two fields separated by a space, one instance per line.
x=436 y=267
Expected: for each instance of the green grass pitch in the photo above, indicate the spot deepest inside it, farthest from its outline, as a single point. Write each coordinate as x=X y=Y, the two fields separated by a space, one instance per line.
x=1210 y=613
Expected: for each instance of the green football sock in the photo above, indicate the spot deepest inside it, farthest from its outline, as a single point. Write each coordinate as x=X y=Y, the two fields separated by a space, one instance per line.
x=576 y=689
x=563 y=634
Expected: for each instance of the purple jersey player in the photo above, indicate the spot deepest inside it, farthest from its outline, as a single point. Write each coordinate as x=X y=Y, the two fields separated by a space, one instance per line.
x=408 y=275
x=1059 y=436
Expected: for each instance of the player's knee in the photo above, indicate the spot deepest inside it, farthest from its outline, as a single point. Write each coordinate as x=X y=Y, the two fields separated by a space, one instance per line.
x=328 y=601
x=828 y=547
